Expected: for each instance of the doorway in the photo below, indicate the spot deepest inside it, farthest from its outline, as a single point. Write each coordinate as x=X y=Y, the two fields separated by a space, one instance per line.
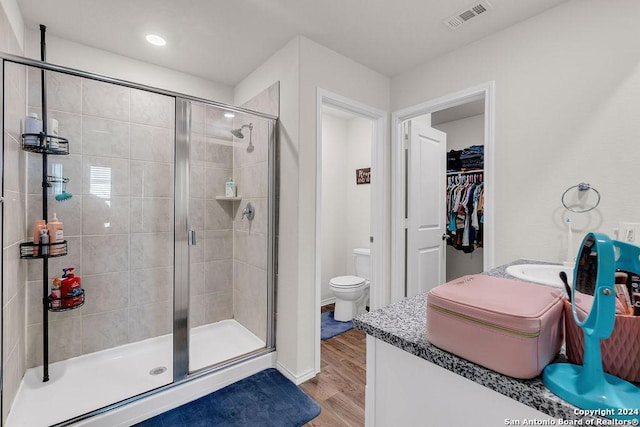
x=464 y=126
x=345 y=210
x=360 y=153
x=460 y=119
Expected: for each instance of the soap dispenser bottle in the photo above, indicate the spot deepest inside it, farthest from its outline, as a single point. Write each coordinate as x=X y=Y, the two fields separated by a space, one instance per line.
x=44 y=241
x=56 y=235
x=230 y=188
x=38 y=226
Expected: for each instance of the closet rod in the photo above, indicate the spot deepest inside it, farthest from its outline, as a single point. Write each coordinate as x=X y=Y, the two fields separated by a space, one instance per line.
x=465 y=172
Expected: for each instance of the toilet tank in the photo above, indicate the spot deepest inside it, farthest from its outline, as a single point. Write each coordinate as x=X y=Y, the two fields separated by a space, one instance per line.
x=362 y=262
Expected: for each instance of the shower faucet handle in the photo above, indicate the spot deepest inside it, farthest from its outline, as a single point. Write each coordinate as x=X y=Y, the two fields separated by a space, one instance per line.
x=249 y=212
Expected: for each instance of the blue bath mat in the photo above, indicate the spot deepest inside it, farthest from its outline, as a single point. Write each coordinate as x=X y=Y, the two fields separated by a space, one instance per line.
x=263 y=399
x=329 y=327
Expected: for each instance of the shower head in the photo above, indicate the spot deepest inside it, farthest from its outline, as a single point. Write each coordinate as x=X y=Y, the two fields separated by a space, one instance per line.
x=238 y=132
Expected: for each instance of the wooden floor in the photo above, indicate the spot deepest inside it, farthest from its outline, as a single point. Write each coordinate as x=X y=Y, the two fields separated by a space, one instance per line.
x=339 y=387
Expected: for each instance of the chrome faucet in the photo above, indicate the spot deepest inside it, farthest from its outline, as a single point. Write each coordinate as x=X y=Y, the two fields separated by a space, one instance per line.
x=248 y=211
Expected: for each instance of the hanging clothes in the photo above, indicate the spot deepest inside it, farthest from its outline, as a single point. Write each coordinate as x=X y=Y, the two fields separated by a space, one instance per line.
x=465 y=211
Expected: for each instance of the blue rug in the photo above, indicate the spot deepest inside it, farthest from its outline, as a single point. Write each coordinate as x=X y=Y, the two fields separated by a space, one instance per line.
x=263 y=399
x=329 y=327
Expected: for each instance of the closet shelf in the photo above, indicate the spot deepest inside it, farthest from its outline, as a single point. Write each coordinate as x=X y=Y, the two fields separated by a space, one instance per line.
x=30 y=250
x=229 y=199
x=54 y=145
x=70 y=302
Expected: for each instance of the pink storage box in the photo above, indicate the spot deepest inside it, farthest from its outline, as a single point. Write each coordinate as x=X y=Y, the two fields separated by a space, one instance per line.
x=620 y=352
x=509 y=326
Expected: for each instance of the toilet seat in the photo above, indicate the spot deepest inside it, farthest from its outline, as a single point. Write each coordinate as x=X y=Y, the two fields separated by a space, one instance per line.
x=347 y=282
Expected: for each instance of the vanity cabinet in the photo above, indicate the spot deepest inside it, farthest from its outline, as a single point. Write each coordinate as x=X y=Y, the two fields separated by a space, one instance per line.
x=406 y=390
x=411 y=382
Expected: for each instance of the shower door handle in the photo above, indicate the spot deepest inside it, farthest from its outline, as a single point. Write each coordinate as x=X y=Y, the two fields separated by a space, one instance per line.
x=192 y=237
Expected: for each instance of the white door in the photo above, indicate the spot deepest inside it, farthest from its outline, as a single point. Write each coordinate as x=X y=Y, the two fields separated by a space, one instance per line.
x=426 y=194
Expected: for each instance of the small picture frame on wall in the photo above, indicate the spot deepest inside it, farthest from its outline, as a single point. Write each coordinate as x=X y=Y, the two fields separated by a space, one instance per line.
x=363 y=176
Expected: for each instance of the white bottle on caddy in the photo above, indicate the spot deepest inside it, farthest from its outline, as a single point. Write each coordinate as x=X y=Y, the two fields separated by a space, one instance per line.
x=33 y=127
x=56 y=235
x=52 y=130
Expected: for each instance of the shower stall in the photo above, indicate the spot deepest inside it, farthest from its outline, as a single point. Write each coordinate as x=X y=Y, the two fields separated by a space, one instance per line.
x=178 y=277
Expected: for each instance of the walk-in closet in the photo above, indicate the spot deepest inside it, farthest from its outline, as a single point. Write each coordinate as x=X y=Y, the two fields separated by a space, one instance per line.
x=464 y=126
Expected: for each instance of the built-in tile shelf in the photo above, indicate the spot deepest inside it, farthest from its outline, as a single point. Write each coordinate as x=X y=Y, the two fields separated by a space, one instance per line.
x=229 y=199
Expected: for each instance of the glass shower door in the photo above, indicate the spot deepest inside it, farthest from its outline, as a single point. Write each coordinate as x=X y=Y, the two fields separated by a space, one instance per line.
x=119 y=228
x=229 y=211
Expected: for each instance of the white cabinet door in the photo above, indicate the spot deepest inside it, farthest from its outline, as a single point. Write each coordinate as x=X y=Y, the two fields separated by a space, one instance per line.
x=426 y=194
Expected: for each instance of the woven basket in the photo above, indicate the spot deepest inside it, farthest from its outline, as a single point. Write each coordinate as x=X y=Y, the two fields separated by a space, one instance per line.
x=620 y=352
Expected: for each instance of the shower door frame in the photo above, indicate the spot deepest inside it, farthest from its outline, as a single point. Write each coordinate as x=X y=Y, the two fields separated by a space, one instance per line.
x=181 y=374
x=184 y=240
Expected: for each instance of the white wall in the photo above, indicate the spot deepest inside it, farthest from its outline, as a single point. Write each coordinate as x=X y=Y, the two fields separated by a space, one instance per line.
x=463 y=133
x=345 y=206
x=14 y=18
x=334 y=209
x=326 y=69
x=460 y=135
x=358 y=204
x=85 y=58
x=302 y=67
x=566 y=111
x=283 y=66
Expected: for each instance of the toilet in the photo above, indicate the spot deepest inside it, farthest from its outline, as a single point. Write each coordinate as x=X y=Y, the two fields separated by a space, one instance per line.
x=352 y=292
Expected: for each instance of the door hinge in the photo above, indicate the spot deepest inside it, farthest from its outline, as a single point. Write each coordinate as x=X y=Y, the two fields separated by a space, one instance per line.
x=192 y=238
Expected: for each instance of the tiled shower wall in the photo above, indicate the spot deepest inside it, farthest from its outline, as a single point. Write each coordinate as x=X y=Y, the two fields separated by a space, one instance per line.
x=14 y=269
x=211 y=270
x=119 y=222
x=229 y=263
x=251 y=238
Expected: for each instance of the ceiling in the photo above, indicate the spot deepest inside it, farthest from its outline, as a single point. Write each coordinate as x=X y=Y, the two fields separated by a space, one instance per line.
x=224 y=40
x=459 y=112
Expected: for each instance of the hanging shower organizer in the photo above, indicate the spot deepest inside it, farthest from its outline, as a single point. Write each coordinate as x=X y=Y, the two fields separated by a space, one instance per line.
x=47 y=145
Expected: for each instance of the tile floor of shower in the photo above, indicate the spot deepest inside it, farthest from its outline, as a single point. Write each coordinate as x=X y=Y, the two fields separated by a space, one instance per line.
x=85 y=383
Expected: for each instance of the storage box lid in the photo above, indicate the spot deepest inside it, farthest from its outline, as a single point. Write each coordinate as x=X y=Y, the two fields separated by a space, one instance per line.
x=505 y=302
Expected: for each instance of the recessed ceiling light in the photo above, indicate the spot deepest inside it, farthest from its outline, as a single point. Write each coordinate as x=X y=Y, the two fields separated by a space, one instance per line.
x=156 y=40
x=229 y=115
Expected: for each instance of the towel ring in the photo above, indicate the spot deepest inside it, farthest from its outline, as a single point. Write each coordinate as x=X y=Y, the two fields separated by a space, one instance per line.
x=583 y=186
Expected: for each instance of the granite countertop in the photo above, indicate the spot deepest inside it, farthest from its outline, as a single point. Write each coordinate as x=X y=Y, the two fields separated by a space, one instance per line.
x=403 y=325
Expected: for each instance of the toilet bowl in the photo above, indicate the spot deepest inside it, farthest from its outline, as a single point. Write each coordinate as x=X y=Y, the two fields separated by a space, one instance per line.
x=352 y=292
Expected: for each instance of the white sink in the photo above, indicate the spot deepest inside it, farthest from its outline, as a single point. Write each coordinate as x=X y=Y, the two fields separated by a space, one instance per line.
x=545 y=274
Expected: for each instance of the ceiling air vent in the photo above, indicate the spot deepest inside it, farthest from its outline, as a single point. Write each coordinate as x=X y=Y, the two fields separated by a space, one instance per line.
x=466 y=14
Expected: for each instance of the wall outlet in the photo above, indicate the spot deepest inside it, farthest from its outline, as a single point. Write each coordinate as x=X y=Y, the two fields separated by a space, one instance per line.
x=629 y=232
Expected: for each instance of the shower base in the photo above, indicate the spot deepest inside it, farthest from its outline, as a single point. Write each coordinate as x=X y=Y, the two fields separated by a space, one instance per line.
x=86 y=383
